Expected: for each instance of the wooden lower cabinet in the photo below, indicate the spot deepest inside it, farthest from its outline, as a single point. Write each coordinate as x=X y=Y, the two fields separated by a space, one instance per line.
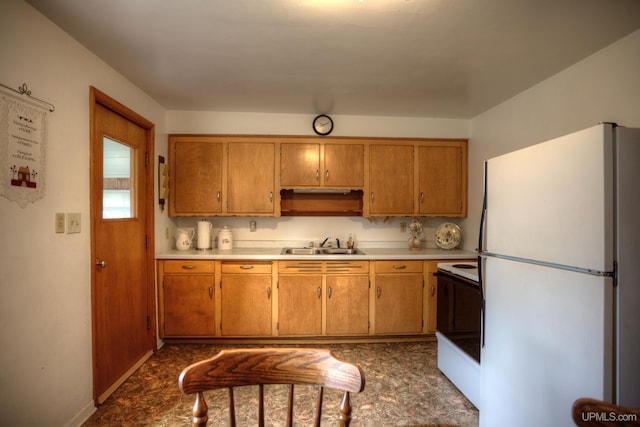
x=398 y=297
x=289 y=299
x=347 y=304
x=187 y=299
x=246 y=299
x=323 y=298
x=300 y=304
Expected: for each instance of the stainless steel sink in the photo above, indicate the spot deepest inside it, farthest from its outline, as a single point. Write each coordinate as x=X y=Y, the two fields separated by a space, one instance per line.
x=321 y=251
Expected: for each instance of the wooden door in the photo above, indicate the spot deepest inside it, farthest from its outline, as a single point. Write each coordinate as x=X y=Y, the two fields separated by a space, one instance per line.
x=442 y=189
x=195 y=181
x=347 y=304
x=300 y=304
x=251 y=178
x=123 y=301
x=189 y=309
x=398 y=307
x=391 y=179
x=343 y=165
x=299 y=164
x=246 y=304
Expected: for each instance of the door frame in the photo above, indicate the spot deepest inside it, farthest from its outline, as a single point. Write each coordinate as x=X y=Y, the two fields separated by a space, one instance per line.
x=99 y=98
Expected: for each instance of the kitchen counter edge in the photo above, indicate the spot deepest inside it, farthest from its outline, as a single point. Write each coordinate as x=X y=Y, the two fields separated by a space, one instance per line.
x=273 y=254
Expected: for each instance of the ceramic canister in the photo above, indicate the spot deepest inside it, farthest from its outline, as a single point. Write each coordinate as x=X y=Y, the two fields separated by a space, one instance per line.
x=225 y=239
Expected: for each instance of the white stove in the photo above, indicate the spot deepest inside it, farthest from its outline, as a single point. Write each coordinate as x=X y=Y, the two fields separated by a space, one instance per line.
x=468 y=270
x=459 y=326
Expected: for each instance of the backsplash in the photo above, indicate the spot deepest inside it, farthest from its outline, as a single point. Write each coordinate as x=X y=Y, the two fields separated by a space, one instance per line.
x=299 y=231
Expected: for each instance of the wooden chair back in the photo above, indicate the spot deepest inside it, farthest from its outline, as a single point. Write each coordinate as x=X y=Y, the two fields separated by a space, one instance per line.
x=262 y=366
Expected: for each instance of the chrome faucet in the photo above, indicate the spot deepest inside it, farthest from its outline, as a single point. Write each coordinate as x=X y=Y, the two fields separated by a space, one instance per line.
x=323 y=242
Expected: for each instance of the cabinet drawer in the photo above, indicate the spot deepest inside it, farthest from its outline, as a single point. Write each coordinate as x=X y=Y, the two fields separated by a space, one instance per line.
x=342 y=267
x=188 y=266
x=399 y=266
x=300 y=267
x=246 y=267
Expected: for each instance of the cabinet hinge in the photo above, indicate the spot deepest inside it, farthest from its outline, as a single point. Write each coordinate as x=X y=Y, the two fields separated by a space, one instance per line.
x=278 y=325
x=220 y=284
x=277 y=284
x=220 y=325
x=148 y=323
x=146 y=241
x=369 y=324
x=146 y=159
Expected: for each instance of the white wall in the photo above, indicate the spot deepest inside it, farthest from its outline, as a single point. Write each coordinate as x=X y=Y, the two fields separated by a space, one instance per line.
x=45 y=319
x=604 y=87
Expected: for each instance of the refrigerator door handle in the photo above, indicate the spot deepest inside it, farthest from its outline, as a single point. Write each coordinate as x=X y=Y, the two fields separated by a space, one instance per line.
x=480 y=249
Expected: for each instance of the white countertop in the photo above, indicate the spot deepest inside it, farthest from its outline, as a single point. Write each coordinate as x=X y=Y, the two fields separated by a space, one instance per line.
x=274 y=254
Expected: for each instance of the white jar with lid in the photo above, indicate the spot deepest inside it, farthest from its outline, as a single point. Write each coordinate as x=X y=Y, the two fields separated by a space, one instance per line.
x=225 y=238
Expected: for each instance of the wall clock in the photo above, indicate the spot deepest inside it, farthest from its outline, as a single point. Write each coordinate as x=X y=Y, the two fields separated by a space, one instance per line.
x=322 y=125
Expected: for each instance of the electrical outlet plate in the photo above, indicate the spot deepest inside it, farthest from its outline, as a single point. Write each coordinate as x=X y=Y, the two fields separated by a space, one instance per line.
x=59 y=224
x=73 y=222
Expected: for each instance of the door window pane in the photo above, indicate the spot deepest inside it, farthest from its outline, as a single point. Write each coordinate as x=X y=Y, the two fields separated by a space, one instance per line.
x=117 y=182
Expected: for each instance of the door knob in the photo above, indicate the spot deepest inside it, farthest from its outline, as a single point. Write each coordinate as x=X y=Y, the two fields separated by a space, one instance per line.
x=101 y=264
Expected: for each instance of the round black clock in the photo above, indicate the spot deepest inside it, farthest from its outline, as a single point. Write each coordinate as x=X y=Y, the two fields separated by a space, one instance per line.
x=322 y=125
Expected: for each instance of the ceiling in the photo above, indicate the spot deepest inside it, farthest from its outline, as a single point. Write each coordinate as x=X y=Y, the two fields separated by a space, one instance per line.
x=412 y=58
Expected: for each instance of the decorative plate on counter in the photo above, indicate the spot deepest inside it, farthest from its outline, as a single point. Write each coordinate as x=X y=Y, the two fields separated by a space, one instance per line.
x=448 y=235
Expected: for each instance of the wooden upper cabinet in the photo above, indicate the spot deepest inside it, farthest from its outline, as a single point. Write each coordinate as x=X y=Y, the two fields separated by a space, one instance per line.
x=195 y=180
x=391 y=180
x=343 y=165
x=299 y=164
x=251 y=178
x=330 y=165
x=442 y=172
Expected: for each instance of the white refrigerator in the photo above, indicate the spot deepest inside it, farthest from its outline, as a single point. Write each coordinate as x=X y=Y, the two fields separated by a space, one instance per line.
x=560 y=271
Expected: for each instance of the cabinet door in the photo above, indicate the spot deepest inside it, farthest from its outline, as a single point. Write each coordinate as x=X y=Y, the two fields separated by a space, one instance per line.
x=250 y=178
x=398 y=303
x=300 y=304
x=299 y=164
x=391 y=179
x=347 y=304
x=343 y=165
x=195 y=178
x=431 y=296
x=246 y=304
x=442 y=181
x=189 y=308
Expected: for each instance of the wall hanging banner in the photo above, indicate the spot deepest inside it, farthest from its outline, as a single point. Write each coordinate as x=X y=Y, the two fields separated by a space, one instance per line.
x=22 y=151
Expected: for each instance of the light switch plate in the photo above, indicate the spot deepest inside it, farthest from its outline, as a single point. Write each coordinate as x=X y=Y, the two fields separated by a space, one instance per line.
x=73 y=222
x=59 y=222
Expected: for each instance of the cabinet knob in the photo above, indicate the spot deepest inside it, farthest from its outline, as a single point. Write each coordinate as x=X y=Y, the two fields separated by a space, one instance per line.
x=210 y=292
x=422 y=197
x=269 y=292
x=379 y=292
x=433 y=290
x=326 y=175
x=317 y=174
x=246 y=267
x=372 y=197
x=218 y=196
x=319 y=292
x=329 y=292
x=399 y=267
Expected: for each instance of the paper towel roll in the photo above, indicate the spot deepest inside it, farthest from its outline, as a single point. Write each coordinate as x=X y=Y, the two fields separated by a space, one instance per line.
x=204 y=234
